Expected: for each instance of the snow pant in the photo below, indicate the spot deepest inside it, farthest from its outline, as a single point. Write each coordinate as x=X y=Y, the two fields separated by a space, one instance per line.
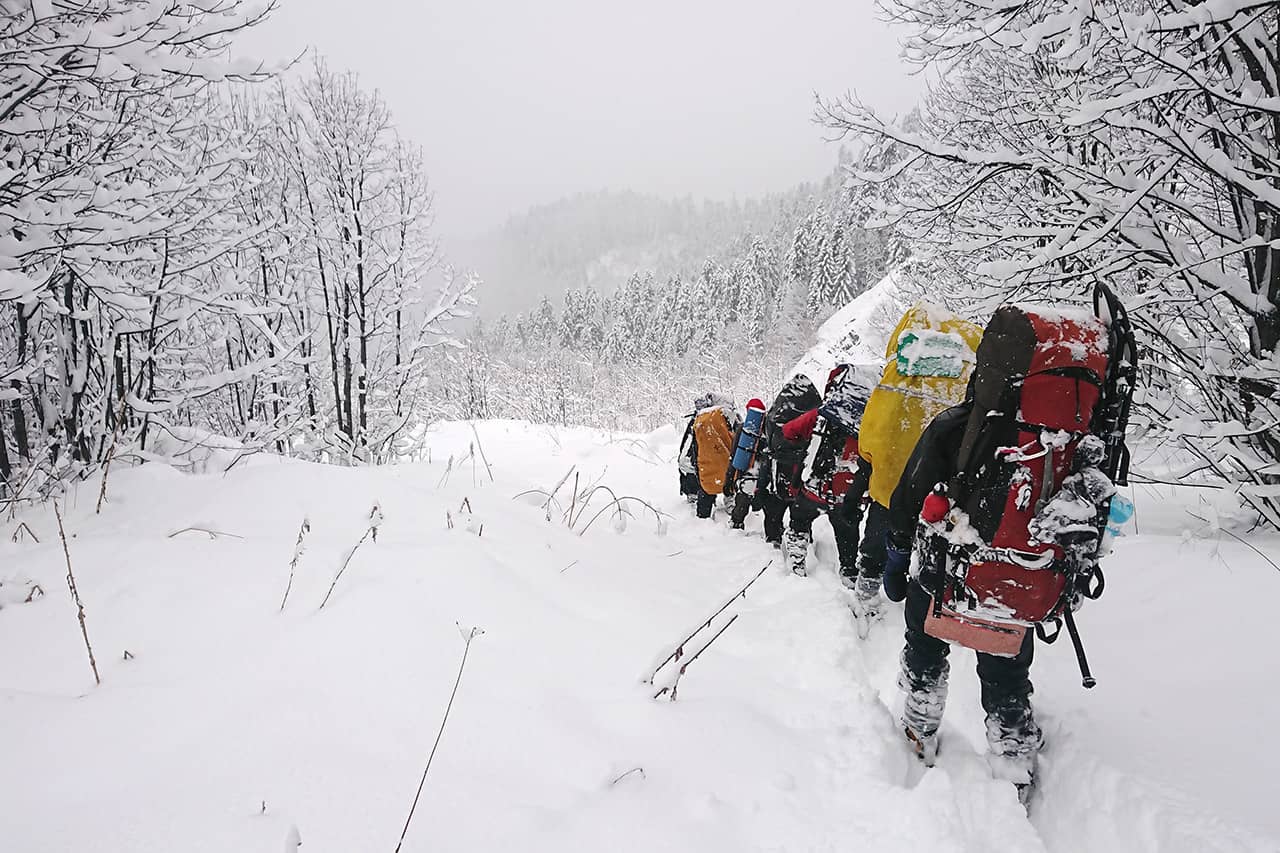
x=845 y=518
x=689 y=484
x=1006 y=685
x=873 y=541
x=741 y=509
x=775 y=509
x=705 y=504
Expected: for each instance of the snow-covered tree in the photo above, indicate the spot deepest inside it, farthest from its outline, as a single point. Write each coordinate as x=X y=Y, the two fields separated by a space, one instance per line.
x=1134 y=142
x=117 y=202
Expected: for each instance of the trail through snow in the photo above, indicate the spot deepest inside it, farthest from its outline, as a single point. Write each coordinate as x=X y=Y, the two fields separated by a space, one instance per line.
x=233 y=725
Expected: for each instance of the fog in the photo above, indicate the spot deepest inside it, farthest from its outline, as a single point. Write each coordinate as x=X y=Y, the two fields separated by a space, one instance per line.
x=517 y=103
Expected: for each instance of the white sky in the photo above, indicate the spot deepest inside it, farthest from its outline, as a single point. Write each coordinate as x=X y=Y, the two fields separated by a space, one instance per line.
x=520 y=103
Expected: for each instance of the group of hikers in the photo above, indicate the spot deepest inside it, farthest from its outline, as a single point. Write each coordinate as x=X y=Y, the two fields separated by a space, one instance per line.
x=991 y=455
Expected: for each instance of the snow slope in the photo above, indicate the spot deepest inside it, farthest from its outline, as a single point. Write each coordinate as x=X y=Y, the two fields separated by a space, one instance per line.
x=233 y=723
x=858 y=332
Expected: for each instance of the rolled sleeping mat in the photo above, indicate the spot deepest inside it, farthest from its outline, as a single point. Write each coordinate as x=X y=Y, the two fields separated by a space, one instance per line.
x=749 y=438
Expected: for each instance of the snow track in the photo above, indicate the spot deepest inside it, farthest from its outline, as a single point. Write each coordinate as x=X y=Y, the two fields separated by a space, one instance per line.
x=784 y=736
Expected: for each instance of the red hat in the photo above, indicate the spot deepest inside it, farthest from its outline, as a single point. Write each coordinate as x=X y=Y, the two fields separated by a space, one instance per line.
x=755 y=403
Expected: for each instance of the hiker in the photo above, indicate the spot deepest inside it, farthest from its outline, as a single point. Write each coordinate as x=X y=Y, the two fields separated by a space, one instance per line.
x=711 y=447
x=1007 y=549
x=745 y=467
x=928 y=361
x=686 y=461
x=836 y=480
x=782 y=460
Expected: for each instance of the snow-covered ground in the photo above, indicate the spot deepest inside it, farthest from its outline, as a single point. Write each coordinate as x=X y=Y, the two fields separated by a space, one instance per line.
x=233 y=723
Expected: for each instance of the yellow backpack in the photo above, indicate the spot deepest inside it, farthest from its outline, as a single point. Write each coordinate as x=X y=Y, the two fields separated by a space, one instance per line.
x=930 y=357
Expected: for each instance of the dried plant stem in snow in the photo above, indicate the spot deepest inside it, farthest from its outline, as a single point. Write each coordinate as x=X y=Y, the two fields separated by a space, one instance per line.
x=75 y=594
x=298 y=548
x=467 y=638
x=375 y=519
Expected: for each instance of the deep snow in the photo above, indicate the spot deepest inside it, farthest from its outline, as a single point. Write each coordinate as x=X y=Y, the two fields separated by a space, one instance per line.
x=783 y=736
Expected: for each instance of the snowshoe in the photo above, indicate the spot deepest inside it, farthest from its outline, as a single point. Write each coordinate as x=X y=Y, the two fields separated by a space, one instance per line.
x=866 y=603
x=796 y=546
x=1019 y=770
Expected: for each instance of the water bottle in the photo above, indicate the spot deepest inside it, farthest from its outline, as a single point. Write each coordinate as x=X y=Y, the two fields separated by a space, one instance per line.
x=1121 y=512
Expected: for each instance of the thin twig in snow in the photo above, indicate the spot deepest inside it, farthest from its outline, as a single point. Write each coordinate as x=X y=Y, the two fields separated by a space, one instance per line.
x=298 y=548
x=675 y=685
x=213 y=534
x=466 y=649
x=476 y=432
x=22 y=525
x=375 y=519
x=1239 y=539
x=678 y=652
x=618 y=503
x=630 y=772
x=75 y=594
x=444 y=478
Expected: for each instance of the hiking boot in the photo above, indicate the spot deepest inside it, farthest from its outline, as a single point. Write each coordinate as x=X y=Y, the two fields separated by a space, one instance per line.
x=925 y=746
x=1014 y=751
x=866 y=595
x=926 y=698
x=796 y=546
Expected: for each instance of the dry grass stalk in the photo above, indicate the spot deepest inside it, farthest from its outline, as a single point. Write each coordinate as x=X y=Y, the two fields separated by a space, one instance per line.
x=375 y=519
x=22 y=525
x=298 y=548
x=678 y=652
x=675 y=684
x=111 y=454
x=467 y=638
x=75 y=594
x=212 y=534
x=483 y=458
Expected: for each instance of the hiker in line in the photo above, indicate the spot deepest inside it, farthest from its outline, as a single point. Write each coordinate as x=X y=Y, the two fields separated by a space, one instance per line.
x=835 y=479
x=1012 y=732
x=1009 y=493
x=745 y=466
x=782 y=461
x=711 y=448
x=928 y=361
x=686 y=460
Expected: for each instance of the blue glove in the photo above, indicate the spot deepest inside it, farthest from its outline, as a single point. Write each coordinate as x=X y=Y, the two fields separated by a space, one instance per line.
x=896 y=564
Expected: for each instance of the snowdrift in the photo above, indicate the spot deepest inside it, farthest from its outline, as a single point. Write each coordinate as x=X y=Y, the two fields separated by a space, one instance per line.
x=858 y=332
x=232 y=723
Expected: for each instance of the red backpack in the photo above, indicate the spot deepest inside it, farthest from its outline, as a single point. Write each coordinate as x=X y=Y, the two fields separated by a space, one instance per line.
x=1046 y=380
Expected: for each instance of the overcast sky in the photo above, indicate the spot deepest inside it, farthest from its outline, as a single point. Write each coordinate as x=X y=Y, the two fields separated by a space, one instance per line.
x=519 y=103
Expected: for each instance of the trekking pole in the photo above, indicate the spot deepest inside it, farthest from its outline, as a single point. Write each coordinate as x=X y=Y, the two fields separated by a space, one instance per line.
x=1086 y=677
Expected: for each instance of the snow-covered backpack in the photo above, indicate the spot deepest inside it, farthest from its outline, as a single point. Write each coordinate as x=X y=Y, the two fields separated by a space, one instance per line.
x=832 y=457
x=928 y=361
x=1017 y=540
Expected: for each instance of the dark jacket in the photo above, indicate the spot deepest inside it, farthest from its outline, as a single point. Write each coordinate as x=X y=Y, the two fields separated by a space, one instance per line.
x=933 y=461
x=786 y=458
x=798 y=396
